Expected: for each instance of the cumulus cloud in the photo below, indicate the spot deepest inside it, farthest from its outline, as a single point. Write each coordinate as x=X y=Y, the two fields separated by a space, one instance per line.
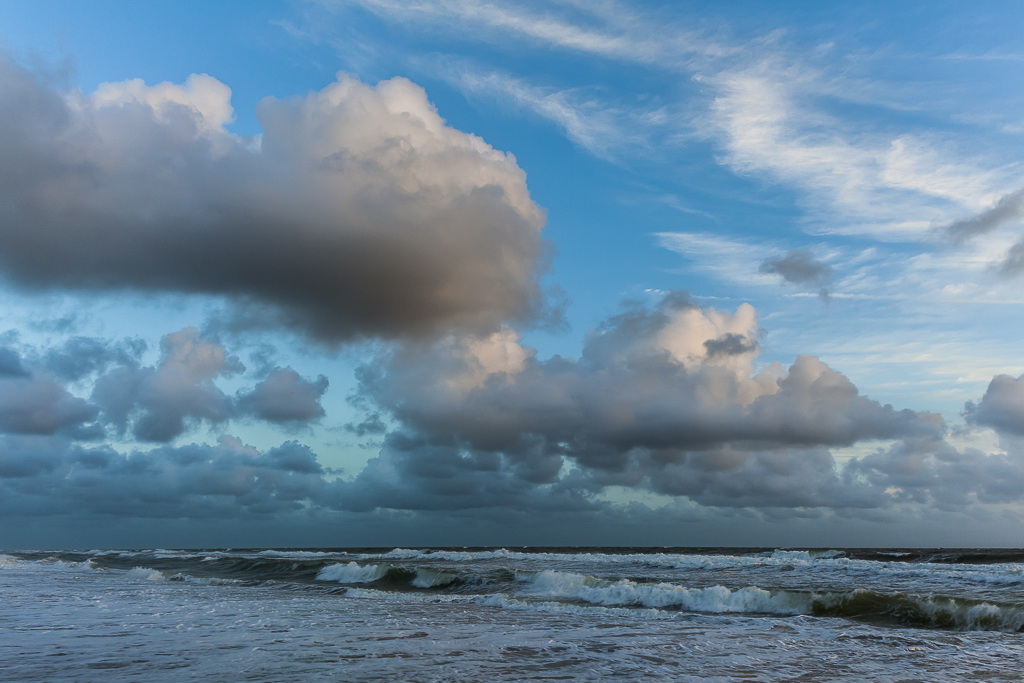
x=665 y=399
x=37 y=404
x=161 y=402
x=358 y=212
x=1002 y=406
x=931 y=471
x=285 y=398
x=799 y=267
x=80 y=357
x=149 y=403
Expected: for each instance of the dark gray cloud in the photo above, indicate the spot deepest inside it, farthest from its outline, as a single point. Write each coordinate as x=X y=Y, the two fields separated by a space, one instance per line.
x=357 y=213
x=1008 y=208
x=371 y=424
x=37 y=404
x=1002 y=406
x=285 y=398
x=10 y=364
x=799 y=267
x=34 y=401
x=51 y=476
x=599 y=427
x=932 y=472
x=46 y=476
x=1013 y=263
x=730 y=344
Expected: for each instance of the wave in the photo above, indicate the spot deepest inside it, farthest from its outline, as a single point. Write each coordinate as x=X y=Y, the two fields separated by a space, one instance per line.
x=353 y=573
x=716 y=599
x=146 y=574
x=810 y=555
x=889 y=563
x=9 y=561
x=862 y=604
x=419 y=577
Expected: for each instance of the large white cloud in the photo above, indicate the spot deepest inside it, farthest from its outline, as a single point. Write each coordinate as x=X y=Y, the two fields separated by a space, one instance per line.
x=359 y=212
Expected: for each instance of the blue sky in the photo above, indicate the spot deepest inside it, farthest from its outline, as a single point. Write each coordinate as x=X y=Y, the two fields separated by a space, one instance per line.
x=823 y=181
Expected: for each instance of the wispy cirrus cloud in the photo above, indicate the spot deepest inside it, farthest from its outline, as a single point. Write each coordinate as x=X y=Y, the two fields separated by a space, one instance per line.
x=773 y=110
x=605 y=29
x=603 y=130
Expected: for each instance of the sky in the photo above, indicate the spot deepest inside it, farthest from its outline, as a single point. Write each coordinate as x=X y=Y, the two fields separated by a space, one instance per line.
x=349 y=273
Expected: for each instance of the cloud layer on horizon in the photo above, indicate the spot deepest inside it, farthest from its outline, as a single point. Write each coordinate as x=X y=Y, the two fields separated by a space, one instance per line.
x=664 y=401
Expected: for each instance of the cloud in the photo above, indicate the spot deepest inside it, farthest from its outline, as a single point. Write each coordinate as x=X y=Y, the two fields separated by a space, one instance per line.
x=799 y=267
x=1008 y=208
x=772 y=109
x=37 y=404
x=605 y=30
x=285 y=398
x=52 y=476
x=357 y=213
x=1002 y=406
x=603 y=130
x=930 y=471
x=155 y=403
x=10 y=364
x=159 y=403
x=664 y=399
x=79 y=357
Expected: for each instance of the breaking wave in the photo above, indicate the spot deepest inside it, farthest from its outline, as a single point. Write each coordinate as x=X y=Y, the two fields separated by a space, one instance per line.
x=146 y=574
x=353 y=573
x=420 y=577
x=862 y=604
x=932 y=593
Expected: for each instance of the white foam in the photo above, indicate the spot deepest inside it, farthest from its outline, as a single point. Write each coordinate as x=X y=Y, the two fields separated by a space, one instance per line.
x=508 y=602
x=57 y=563
x=353 y=573
x=807 y=555
x=294 y=554
x=145 y=574
x=9 y=560
x=715 y=599
x=406 y=597
x=428 y=578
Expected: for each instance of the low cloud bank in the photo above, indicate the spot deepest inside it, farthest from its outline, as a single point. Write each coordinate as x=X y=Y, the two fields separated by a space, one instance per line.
x=665 y=401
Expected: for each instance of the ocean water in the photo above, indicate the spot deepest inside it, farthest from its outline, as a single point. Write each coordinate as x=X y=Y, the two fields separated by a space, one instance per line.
x=487 y=614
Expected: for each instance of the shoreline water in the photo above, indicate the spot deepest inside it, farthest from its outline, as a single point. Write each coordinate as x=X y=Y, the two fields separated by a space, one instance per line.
x=583 y=613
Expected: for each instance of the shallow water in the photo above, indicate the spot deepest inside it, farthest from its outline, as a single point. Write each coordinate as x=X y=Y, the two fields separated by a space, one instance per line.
x=512 y=615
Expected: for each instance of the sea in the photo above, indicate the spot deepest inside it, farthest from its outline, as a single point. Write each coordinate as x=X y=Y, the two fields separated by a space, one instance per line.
x=512 y=614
